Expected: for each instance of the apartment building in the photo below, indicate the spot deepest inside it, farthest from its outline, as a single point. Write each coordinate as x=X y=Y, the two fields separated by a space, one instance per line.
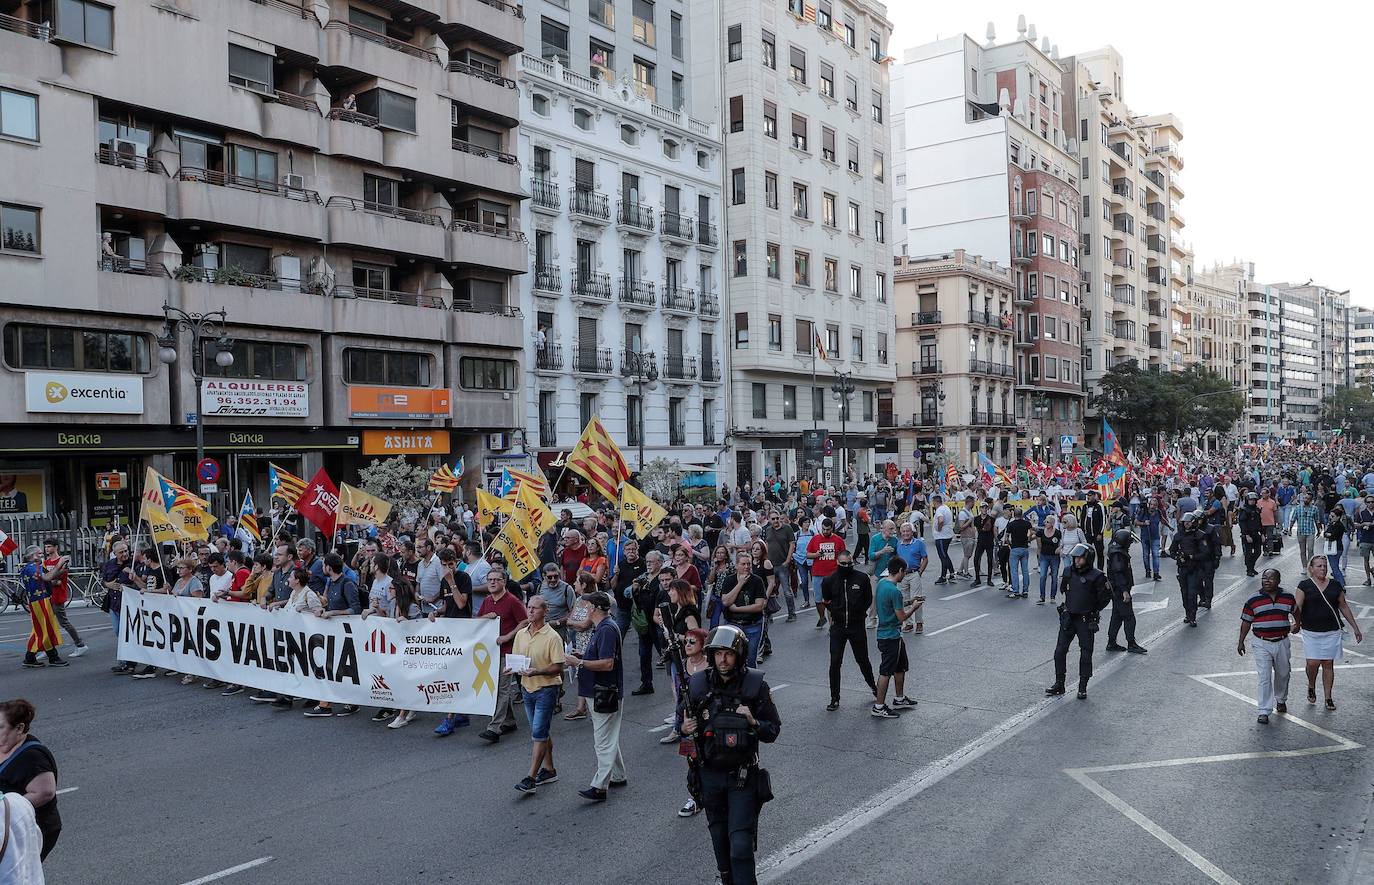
x=1361 y=346
x=808 y=248
x=1335 y=333
x=623 y=308
x=1216 y=335
x=338 y=176
x=1285 y=363
x=989 y=167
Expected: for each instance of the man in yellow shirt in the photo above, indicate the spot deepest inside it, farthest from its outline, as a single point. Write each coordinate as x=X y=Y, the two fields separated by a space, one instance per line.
x=540 y=682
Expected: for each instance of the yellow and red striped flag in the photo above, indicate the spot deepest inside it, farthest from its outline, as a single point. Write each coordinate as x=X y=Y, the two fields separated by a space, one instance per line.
x=597 y=458
x=536 y=483
x=284 y=485
x=443 y=480
x=248 y=517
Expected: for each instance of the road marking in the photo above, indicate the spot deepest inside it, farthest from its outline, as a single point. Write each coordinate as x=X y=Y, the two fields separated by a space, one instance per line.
x=1153 y=607
x=229 y=872
x=962 y=593
x=959 y=624
x=79 y=627
x=1203 y=865
x=1351 y=651
x=67 y=790
x=777 y=865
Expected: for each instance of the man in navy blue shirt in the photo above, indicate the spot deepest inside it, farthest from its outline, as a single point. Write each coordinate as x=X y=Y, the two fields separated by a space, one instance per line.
x=601 y=667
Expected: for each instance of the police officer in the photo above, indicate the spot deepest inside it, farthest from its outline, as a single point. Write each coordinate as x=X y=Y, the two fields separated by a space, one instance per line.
x=1210 y=526
x=1251 y=532
x=1085 y=595
x=1193 y=555
x=729 y=711
x=1121 y=578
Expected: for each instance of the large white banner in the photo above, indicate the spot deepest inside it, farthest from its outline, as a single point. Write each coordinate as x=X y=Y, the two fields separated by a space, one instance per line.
x=242 y=396
x=450 y=666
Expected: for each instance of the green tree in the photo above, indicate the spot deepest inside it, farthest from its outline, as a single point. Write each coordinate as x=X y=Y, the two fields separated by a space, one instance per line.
x=1208 y=403
x=1352 y=410
x=660 y=480
x=405 y=485
x=1146 y=402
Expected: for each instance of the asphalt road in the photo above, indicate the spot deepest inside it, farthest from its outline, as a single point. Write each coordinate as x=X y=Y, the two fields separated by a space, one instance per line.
x=985 y=781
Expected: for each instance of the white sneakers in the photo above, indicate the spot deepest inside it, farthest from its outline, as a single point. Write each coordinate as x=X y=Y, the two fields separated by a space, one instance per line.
x=403 y=718
x=78 y=651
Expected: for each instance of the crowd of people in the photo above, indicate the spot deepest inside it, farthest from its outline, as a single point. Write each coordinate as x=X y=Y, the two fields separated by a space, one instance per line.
x=858 y=556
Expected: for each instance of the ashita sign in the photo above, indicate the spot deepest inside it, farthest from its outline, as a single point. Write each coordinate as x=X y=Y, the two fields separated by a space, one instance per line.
x=88 y=393
x=266 y=399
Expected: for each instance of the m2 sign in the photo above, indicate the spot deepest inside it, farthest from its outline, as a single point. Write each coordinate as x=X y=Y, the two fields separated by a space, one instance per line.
x=413 y=403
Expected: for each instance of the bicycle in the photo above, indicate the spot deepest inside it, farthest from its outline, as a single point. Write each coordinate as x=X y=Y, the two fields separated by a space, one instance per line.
x=89 y=586
x=12 y=594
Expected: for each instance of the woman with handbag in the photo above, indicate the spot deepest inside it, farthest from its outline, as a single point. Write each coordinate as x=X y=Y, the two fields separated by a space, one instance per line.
x=1324 y=613
x=580 y=628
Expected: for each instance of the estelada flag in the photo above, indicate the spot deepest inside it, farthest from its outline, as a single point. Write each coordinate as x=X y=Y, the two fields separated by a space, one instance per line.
x=514 y=480
x=357 y=507
x=184 y=524
x=283 y=484
x=319 y=503
x=641 y=511
x=443 y=480
x=488 y=505
x=597 y=458
x=174 y=497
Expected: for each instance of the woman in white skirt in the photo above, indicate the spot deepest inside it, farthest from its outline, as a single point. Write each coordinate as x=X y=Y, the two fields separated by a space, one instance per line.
x=1321 y=600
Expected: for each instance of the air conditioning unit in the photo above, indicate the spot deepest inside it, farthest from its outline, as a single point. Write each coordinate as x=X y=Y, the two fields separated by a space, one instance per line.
x=293 y=181
x=127 y=152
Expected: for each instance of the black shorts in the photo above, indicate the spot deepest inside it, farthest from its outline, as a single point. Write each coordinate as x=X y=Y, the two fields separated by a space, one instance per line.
x=892 y=654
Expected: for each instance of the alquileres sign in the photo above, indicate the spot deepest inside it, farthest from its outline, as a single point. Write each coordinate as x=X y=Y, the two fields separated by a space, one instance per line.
x=271 y=399
x=83 y=393
x=450 y=665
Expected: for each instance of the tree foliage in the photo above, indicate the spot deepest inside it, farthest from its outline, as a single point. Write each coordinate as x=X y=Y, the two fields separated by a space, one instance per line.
x=1140 y=401
x=1352 y=410
x=405 y=485
x=660 y=479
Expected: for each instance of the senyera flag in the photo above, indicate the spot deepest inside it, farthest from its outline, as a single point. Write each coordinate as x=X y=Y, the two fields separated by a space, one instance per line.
x=597 y=458
x=248 y=518
x=319 y=503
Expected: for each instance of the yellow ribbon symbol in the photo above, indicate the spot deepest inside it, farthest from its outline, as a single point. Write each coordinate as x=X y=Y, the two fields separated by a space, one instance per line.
x=481 y=659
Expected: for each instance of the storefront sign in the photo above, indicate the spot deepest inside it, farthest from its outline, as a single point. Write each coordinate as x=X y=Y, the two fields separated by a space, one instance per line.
x=405 y=442
x=413 y=403
x=37 y=439
x=85 y=393
x=267 y=399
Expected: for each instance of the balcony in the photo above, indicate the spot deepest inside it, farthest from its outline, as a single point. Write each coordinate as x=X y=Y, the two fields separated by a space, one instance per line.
x=591 y=287
x=678 y=367
x=548 y=432
x=355 y=48
x=548 y=279
x=590 y=206
x=25 y=28
x=990 y=319
x=1156 y=178
x=637 y=294
x=706 y=235
x=544 y=196
x=135 y=266
x=680 y=301
x=979 y=367
x=710 y=371
x=925 y=318
x=548 y=358
x=1019 y=211
x=1023 y=339
x=491 y=246
x=489 y=22
x=677 y=435
x=635 y=218
x=925 y=419
x=226 y=276
x=677 y=227
x=1124 y=295
x=381 y=40
x=356 y=118
x=478 y=87
x=1021 y=257
x=381 y=226
x=1022 y=296
x=926 y=367
x=710 y=304
x=409 y=299
x=485 y=153
x=130 y=182
x=1155 y=243
x=591 y=360
x=248 y=204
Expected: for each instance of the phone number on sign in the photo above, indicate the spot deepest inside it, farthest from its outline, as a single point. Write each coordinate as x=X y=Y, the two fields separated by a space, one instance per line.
x=256 y=405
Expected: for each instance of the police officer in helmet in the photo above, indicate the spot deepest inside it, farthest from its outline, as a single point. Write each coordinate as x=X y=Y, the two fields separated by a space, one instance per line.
x=729 y=711
x=1085 y=595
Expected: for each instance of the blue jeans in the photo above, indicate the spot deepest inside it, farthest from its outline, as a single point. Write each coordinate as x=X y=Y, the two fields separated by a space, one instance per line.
x=946 y=564
x=784 y=576
x=1049 y=567
x=1149 y=553
x=816 y=582
x=754 y=633
x=622 y=619
x=1020 y=569
x=539 y=706
x=803 y=581
x=1336 y=571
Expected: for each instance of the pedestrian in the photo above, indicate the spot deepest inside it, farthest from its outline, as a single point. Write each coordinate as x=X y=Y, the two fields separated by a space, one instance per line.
x=1333 y=543
x=27 y=767
x=601 y=677
x=911 y=550
x=116 y=576
x=967 y=533
x=985 y=530
x=1148 y=525
x=1094 y=523
x=1364 y=536
x=56 y=569
x=43 y=634
x=539 y=684
x=510 y=613
x=1121 y=579
x=1048 y=539
x=1085 y=595
x=846 y=596
x=781 y=540
x=1018 y=535
x=694 y=661
x=1265 y=617
x=732 y=707
x=1321 y=604
x=893 y=612
x=743 y=603
x=821 y=552
x=942 y=530
x=1305 y=518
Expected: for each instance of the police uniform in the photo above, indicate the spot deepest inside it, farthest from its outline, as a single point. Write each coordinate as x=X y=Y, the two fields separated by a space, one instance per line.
x=1085 y=595
x=1121 y=578
x=733 y=787
x=1192 y=552
x=1251 y=534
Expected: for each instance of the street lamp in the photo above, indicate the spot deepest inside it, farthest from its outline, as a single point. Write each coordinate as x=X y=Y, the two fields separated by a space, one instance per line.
x=642 y=369
x=202 y=326
x=843 y=391
x=1040 y=404
x=937 y=393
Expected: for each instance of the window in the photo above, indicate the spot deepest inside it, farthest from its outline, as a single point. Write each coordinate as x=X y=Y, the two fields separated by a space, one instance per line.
x=19 y=228
x=879 y=227
x=554 y=37
x=789 y=402
x=759 y=394
x=741 y=330
x=770 y=119
x=799 y=132
x=642 y=28
x=393 y=367
x=737 y=186
x=853 y=161
x=675 y=34
x=854 y=219
x=540 y=103
x=827 y=144
x=708 y=422
x=880 y=287
x=392 y=109
x=775 y=333
x=250 y=69
x=80 y=350
x=366 y=20
x=882 y=348
x=878 y=165
x=797 y=70
x=602 y=58
x=877 y=106
x=81 y=21
x=602 y=11
x=18 y=115
x=770 y=51
x=832 y=342
x=800 y=201
x=805 y=342
x=875 y=47
x=734 y=42
x=1051 y=328
x=644 y=74
x=851 y=37
x=827 y=78
x=856 y=345
x=582 y=119
x=770 y=190
x=824 y=20
x=263 y=360
x=851 y=94
x=254 y=167
x=818 y=403
x=741 y=258
x=868 y=405
x=828 y=210
x=486 y=374
x=252 y=259
x=634 y=418
x=1051 y=368
x=832 y=275
x=856 y=284
x=736 y=113
x=1047 y=245
x=586 y=408
x=801 y=268
x=774 y=260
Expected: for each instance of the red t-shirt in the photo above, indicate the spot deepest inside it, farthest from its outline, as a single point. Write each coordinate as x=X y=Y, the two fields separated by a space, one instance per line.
x=59 y=589
x=571 y=560
x=511 y=612
x=829 y=548
x=240 y=579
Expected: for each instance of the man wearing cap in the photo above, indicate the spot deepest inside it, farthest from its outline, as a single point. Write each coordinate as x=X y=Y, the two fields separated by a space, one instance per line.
x=602 y=678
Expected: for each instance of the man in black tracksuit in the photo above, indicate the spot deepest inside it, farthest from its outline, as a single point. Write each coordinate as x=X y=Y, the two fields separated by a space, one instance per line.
x=1093 y=522
x=1121 y=578
x=846 y=596
x=1192 y=552
x=1085 y=595
x=1251 y=532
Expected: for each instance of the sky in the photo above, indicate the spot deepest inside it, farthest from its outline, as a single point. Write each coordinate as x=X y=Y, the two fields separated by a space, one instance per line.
x=1271 y=104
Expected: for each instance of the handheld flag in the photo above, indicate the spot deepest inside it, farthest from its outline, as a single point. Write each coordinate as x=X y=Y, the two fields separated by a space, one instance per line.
x=248 y=518
x=186 y=524
x=951 y=475
x=1111 y=448
x=992 y=474
x=174 y=497
x=531 y=508
x=320 y=503
x=641 y=511
x=7 y=545
x=444 y=479
x=357 y=507
x=284 y=485
x=518 y=542
x=518 y=479
x=488 y=505
x=597 y=458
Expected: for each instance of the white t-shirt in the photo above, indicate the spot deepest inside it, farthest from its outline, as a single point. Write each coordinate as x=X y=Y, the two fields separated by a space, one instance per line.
x=20 y=864
x=943 y=524
x=221 y=584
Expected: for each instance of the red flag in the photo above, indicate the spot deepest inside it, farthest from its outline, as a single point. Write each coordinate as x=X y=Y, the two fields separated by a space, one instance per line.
x=319 y=503
x=7 y=545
